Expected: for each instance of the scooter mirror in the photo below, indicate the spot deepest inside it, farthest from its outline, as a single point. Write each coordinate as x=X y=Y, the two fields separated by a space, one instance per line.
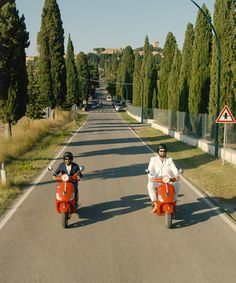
x=81 y=168
x=181 y=171
x=49 y=168
x=147 y=171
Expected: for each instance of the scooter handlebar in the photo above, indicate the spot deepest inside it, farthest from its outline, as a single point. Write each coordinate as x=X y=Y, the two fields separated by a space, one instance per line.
x=61 y=178
x=160 y=179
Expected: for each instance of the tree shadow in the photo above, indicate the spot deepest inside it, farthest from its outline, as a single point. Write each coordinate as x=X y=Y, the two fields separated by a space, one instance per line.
x=110 y=126
x=194 y=213
x=117 y=151
x=193 y=161
x=104 y=141
x=118 y=172
x=107 y=210
x=99 y=131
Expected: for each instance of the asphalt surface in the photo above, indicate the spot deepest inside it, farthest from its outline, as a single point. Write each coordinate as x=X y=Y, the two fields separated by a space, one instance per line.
x=115 y=238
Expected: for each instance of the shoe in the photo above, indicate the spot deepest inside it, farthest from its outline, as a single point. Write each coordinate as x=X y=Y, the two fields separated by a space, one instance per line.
x=154 y=207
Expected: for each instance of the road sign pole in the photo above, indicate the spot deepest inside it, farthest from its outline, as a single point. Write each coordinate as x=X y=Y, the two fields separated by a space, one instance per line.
x=225 y=135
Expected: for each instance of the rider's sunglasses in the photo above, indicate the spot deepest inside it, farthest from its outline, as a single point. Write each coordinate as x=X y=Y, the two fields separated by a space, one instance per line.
x=67 y=158
x=162 y=150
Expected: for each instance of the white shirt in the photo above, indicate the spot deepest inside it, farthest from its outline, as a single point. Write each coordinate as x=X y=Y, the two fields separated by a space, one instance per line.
x=68 y=168
x=160 y=168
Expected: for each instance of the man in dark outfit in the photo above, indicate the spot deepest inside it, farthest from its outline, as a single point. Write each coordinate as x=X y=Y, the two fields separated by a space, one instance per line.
x=70 y=168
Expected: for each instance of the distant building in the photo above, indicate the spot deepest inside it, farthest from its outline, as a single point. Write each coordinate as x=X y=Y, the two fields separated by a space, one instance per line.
x=111 y=51
x=153 y=52
x=30 y=58
x=156 y=44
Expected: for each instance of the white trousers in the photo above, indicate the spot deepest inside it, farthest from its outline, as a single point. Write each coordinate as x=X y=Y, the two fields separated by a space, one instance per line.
x=152 y=186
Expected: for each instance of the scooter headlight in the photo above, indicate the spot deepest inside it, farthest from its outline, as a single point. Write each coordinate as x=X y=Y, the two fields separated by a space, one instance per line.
x=72 y=197
x=65 y=177
x=160 y=198
x=58 y=196
x=166 y=179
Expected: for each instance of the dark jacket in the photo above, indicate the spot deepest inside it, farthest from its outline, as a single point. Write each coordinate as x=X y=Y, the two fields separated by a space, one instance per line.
x=74 y=169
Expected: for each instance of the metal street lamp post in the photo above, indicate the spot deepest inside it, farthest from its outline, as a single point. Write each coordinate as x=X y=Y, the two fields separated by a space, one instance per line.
x=216 y=128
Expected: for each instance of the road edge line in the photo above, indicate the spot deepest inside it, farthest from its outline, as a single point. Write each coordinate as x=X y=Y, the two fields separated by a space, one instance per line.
x=11 y=210
x=225 y=217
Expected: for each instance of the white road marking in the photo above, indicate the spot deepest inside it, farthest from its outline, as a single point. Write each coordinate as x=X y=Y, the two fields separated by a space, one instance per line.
x=6 y=217
x=224 y=216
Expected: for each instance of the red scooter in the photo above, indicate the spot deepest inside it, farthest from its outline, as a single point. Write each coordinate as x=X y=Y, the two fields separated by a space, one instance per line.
x=166 y=197
x=65 y=196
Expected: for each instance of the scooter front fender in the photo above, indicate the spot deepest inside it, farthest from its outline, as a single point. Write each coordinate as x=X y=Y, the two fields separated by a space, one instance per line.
x=168 y=208
x=64 y=207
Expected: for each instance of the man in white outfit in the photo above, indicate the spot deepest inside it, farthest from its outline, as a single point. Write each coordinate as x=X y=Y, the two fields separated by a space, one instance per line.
x=160 y=166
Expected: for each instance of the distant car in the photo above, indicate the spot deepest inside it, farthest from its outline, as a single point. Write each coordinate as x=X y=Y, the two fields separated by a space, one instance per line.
x=94 y=104
x=119 y=107
x=115 y=100
x=109 y=98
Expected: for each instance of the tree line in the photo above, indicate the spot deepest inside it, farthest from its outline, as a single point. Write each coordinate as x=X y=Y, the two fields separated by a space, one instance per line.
x=182 y=80
x=51 y=79
x=179 y=80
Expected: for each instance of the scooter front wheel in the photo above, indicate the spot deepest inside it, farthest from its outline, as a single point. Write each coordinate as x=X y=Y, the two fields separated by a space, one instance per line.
x=168 y=220
x=65 y=217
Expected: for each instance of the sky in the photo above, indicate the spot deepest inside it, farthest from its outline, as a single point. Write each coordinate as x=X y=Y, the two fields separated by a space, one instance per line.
x=114 y=23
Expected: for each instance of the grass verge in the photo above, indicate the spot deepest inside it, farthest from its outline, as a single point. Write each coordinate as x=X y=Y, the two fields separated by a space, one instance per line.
x=205 y=172
x=31 y=150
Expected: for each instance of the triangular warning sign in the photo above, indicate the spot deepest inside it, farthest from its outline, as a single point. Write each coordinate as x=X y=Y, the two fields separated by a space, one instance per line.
x=225 y=116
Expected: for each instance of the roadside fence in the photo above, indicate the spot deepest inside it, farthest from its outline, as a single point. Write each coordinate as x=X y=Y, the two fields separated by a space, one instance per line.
x=200 y=126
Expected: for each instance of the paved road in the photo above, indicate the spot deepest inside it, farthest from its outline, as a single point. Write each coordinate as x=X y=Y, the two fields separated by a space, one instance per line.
x=115 y=238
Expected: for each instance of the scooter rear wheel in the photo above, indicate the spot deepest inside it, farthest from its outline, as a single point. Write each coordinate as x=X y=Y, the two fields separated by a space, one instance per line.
x=65 y=220
x=168 y=220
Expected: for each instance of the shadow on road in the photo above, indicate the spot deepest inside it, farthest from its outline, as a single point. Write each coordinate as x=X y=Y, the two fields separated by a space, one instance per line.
x=104 y=141
x=117 y=151
x=106 y=210
x=118 y=172
x=193 y=213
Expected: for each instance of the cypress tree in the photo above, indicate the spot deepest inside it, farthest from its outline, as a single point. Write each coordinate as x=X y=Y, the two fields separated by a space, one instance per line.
x=150 y=80
x=137 y=83
x=119 y=88
x=83 y=76
x=52 y=70
x=13 y=87
x=154 y=99
x=165 y=69
x=112 y=76
x=35 y=104
x=3 y=2
x=225 y=25
x=186 y=67
x=200 y=74
x=94 y=75
x=126 y=73
x=71 y=75
x=146 y=71
x=173 y=98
